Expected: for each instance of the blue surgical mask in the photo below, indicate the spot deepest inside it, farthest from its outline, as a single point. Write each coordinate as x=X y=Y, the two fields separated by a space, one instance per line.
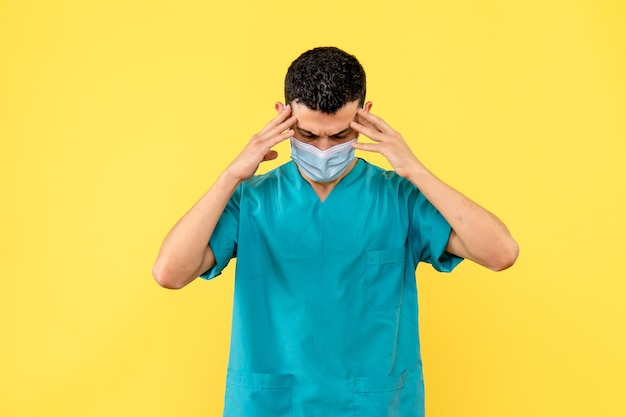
x=322 y=166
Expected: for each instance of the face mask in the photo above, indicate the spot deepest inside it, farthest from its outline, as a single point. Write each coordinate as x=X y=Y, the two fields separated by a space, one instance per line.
x=322 y=166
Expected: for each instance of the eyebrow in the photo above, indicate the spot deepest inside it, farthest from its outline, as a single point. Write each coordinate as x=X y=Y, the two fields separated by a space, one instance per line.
x=306 y=132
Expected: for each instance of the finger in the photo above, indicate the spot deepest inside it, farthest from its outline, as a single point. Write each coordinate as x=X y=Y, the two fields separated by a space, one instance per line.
x=370 y=132
x=365 y=122
x=278 y=119
x=286 y=125
x=367 y=147
x=378 y=123
x=270 y=132
x=273 y=140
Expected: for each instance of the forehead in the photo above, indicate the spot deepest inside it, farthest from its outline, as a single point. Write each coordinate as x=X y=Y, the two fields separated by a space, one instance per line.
x=322 y=123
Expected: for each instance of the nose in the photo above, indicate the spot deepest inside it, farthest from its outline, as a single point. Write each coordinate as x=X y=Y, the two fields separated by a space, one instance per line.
x=323 y=143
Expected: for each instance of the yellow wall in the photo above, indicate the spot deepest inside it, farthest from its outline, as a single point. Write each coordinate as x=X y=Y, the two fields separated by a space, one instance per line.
x=115 y=116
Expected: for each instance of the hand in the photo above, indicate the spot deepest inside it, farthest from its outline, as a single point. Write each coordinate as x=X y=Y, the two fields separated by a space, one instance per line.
x=388 y=143
x=476 y=234
x=259 y=148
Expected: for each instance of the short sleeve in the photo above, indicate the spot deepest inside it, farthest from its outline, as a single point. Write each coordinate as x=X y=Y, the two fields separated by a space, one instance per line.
x=429 y=235
x=223 y=241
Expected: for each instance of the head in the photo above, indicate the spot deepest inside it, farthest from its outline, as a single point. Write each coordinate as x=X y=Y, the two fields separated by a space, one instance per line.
x=325 y=79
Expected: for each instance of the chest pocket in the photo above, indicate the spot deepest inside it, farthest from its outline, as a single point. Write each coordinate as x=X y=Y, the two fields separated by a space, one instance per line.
x=257 y=395
x=384 y=278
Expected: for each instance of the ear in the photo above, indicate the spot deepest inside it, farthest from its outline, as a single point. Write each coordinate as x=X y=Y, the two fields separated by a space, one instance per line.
x=279 y=107
x=367 y=106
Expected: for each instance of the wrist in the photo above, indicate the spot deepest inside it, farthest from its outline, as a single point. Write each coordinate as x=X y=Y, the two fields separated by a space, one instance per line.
x=229 y=179
x=418 y=174
x=412 y=168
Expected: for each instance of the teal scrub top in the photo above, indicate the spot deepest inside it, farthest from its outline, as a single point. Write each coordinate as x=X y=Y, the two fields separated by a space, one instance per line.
x=325 y=315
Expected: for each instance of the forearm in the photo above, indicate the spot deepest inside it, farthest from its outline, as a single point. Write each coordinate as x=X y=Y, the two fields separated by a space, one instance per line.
x=477 y=234
x=184 y=253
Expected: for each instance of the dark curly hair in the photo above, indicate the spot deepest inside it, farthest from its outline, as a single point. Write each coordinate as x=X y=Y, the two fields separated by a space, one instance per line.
x=325 y=79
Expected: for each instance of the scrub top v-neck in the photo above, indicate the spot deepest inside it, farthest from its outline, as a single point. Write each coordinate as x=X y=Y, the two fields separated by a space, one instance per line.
x=325 y=316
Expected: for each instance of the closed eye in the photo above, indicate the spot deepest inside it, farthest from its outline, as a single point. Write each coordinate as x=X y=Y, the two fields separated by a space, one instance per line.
x=306 y=135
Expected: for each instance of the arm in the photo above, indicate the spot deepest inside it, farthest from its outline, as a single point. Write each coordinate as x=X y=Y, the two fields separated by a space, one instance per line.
x=185 y=253
x=477 y=234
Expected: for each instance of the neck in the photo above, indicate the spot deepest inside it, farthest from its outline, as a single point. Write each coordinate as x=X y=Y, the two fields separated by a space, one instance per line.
x=323 y=189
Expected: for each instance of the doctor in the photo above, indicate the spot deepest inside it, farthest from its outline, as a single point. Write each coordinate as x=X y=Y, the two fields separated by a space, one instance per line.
x=325 y=315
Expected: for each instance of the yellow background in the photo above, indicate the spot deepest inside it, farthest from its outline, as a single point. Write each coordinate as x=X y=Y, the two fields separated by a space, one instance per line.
x=115 y=116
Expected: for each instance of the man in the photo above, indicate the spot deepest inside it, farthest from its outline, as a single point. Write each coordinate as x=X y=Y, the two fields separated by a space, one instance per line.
x=325 y=317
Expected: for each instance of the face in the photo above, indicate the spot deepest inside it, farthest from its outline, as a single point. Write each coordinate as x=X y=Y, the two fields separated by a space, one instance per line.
x=325 y=130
